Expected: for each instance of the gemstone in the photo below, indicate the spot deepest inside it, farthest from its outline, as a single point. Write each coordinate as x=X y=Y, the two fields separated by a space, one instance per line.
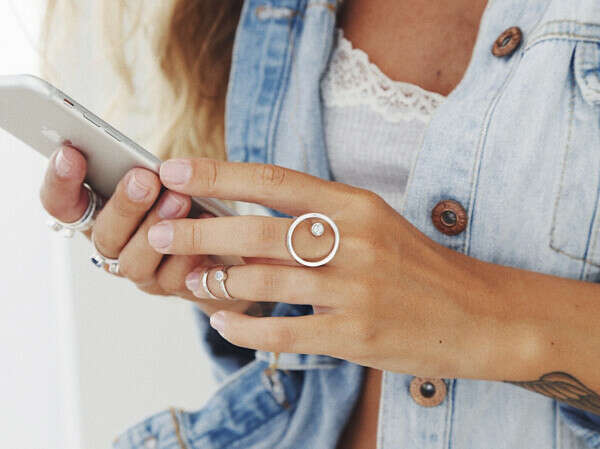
x=317 y=229
x=220 y=275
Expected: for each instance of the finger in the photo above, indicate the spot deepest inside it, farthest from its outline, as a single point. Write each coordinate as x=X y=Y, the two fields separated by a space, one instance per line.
x=286 y=190
x=119 y=218
x=307 y=334
x=138 y=261
x=62 y=193
x=173 y=270
x=270 y=283
x=246 y=236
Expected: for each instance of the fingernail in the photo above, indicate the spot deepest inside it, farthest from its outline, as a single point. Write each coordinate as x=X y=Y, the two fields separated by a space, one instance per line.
x=176 y=171
x=63 y=165
x=160 y=235
x=192 y=281
x=170 y=206
x=138 y=187
x=217 y=321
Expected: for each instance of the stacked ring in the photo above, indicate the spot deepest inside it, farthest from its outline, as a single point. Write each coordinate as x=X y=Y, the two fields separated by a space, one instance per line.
x=220 y=276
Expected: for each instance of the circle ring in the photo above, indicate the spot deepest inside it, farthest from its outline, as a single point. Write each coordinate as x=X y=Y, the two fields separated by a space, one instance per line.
x=290 y=234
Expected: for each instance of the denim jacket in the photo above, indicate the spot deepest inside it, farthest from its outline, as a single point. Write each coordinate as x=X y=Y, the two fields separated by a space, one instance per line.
x=517 y=144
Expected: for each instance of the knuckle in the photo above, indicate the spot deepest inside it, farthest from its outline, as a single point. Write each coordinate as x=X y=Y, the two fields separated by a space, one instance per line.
x=211 y=168
x=267 y=284
x=194 y=236
x=134 y=273
x=367 y=334
x=367 y=198
x=267 y=230
x=124 y=207
x=106 y=244
x=270 y=175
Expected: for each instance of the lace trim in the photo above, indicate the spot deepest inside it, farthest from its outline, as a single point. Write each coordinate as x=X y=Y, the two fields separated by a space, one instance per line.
x=351 y=80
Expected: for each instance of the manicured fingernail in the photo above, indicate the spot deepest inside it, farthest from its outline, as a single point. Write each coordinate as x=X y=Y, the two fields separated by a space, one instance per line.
x=138 y=186
x=160 y=235
x=192 y=281
x=217 y=321
x=176 y=171
x=62 y=164
x=170 y=207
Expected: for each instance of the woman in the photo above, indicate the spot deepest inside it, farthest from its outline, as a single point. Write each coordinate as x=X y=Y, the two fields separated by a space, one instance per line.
x=462 y=307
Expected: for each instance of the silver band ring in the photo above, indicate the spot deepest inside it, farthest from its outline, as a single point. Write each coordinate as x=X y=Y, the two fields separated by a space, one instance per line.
x=317 y=229
x=205 y=285
x=85 y=222
x=221 y=276
x=101 y=261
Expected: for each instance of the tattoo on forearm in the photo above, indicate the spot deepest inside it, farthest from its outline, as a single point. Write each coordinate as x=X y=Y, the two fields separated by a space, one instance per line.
x=565 y=388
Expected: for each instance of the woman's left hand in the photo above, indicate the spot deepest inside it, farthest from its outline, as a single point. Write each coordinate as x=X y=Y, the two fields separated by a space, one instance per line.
x=391 y=298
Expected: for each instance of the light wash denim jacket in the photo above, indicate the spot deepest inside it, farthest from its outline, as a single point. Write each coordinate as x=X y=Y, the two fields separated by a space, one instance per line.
x=517 y=143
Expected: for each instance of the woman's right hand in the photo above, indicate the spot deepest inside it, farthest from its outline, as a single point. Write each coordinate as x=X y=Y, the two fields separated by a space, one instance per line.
x=121 y=227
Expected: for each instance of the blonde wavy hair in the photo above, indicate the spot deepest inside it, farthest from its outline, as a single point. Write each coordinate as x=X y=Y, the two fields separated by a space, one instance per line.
x=190 y=44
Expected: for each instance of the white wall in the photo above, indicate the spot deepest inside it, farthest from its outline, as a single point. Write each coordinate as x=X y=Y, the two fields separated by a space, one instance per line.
x=83 y=355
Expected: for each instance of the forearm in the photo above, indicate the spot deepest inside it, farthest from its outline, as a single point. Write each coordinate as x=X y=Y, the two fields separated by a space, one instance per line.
x=539 y=331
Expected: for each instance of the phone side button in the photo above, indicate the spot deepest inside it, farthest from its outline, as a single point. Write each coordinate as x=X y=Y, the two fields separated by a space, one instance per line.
x=112 y=134
x=90 y=119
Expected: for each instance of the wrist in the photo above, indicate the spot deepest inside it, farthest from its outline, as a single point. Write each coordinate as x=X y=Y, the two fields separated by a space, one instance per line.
x=514 y=343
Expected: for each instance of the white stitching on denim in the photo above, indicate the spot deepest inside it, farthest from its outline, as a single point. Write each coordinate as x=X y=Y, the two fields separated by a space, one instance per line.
x=551 y=243
x=561 y=36
x=449 y=404
x=562 y=171
x=480 y=144
x=383 y=409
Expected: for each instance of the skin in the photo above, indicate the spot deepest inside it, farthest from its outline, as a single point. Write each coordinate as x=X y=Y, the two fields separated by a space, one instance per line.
x=406 y=303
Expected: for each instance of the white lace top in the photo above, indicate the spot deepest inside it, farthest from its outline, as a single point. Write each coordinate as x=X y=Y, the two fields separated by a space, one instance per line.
x=373 y=125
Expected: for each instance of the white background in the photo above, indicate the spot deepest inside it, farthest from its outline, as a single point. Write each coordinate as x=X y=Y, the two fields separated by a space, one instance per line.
x=83 y=355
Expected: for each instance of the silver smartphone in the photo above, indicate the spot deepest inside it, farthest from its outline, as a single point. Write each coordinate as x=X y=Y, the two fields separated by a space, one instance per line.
x=44 y=118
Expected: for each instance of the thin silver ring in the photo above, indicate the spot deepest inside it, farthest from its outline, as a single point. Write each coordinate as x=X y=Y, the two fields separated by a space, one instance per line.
x=290 y=234
x=205 y=285
x=101 y=261
x=221 y=276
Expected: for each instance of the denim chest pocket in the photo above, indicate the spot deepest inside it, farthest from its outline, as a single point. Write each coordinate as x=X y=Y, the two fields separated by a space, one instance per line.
x=575 y=225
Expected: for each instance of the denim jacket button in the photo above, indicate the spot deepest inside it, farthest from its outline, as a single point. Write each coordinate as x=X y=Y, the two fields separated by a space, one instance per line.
x=507 y=42
x=428 y=391
x=449 y=217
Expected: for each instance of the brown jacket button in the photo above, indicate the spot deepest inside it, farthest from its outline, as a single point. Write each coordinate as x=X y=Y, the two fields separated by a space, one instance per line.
x=449 y=217
x=507 y=42
x=428 y=391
